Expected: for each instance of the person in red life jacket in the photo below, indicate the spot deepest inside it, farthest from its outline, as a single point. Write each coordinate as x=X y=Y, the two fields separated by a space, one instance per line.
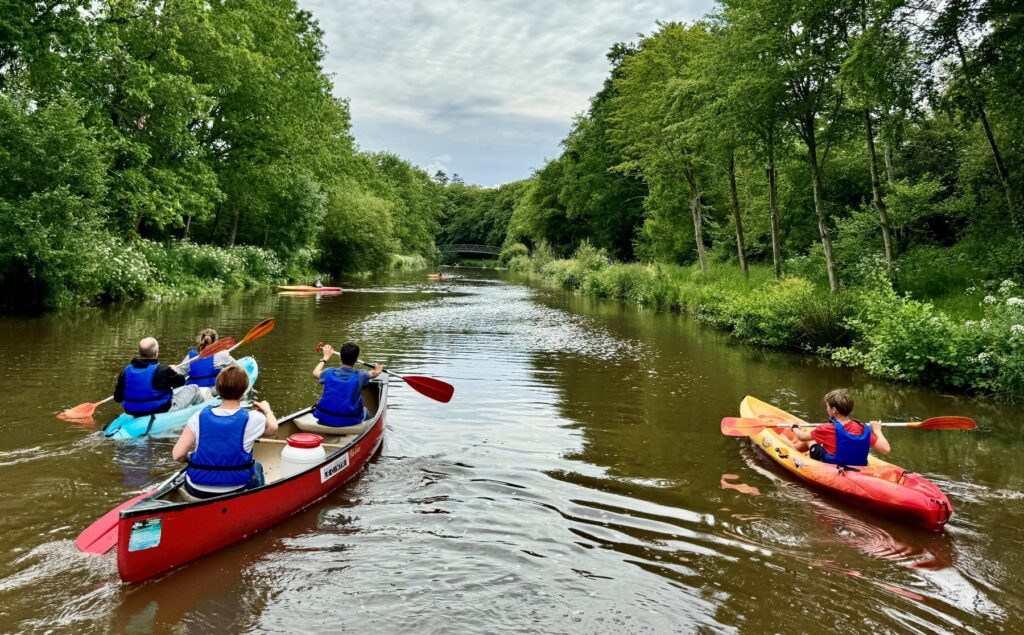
x=203 y=372
x=843 y=441
x=222 y=438
x=147 y=387
x=342 y=402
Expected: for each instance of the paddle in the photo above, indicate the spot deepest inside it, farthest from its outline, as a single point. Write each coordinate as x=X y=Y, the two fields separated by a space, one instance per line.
x=100 y=536
x=427 y=386
x=741 y=427
x=85 y=410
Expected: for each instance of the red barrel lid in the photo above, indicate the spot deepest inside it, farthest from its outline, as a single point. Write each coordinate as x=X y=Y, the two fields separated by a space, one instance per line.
x=305 y=440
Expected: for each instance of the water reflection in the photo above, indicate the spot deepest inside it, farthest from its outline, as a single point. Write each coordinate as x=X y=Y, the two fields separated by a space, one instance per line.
x=576 y=483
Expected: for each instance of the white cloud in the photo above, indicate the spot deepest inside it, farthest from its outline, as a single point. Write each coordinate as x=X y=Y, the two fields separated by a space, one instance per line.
x=494 y=84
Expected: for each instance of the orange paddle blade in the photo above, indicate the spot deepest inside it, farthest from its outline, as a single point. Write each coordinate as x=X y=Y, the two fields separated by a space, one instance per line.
x=743 y=427
x=946 y=423
x=81 y=411
x=259 y=330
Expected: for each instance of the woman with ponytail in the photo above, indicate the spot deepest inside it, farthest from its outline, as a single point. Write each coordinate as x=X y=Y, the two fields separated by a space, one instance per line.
x=203 y=372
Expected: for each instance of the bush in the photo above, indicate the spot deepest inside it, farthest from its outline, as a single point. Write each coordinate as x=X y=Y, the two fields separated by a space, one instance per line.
x=412 y=262
x=515 y=250
x=908 y=340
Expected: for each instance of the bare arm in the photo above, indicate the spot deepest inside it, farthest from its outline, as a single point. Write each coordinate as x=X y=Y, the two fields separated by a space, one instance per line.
x=270 y=429
x=327 y=351
x=185 y=443
x=803 y=434
x=881 y=443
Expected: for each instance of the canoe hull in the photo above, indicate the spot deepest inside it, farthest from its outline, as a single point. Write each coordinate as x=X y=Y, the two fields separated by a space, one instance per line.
x=305 y=288
x=127 y=427
x=879 y=487
x=155 y=536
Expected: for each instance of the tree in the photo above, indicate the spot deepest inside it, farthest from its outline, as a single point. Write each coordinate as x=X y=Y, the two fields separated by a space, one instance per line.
x=807 y=39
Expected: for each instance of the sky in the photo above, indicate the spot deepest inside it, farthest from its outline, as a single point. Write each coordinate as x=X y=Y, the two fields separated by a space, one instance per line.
x=486 y=89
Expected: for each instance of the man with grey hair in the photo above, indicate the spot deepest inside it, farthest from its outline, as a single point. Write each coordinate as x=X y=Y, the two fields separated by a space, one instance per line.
x=147 y=387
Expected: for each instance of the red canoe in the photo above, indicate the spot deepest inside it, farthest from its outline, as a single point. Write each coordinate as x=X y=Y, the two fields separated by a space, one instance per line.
x=166 y=530
x=881 y=487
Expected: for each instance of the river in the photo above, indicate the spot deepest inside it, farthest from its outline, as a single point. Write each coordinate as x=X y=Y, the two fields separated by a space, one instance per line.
x=577 y=482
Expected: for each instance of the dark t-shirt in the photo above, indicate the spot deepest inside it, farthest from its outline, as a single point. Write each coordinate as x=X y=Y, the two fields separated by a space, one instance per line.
x=165 y=378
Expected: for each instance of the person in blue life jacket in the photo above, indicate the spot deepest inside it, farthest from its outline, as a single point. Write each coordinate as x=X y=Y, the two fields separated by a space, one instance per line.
x=147 y=387
x=843 y=441
x=203 y=372
x=217 y=442
x=342 y=401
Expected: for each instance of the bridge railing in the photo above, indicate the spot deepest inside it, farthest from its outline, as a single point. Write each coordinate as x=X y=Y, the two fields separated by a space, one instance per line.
x=461 y=248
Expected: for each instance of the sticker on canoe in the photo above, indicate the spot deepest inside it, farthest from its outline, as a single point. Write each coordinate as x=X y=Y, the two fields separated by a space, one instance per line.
x=766 y=442
x=330 y=470
x=145 y=534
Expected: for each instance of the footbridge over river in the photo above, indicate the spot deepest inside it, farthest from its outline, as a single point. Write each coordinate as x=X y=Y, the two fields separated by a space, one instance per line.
x=488 y=250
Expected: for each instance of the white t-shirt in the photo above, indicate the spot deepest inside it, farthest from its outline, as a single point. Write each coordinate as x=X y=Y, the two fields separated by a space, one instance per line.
x=253 y=430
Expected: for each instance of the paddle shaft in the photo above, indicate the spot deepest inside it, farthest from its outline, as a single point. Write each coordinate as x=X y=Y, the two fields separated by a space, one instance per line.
x=740 y=426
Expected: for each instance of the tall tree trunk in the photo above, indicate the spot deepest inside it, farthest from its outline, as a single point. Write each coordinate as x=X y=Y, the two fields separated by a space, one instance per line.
x=889 y=172
x=819 y=210
x=234 y=227
x=1004 y=174
x=736 y=215
x=266 y=234
x=876 y=195
x=216 y=221
x=695 y=212
x=138 y=222
x=773 y=204
x=188 y=223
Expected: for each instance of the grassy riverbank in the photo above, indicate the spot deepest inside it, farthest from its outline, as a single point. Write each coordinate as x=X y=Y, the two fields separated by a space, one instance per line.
x=870 y=326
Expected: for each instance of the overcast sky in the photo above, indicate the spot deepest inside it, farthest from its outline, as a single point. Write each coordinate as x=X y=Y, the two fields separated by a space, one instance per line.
x=484 y=88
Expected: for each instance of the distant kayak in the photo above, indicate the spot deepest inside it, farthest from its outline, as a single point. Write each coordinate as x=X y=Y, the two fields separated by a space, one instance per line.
x=438 y=276
x=305 y=288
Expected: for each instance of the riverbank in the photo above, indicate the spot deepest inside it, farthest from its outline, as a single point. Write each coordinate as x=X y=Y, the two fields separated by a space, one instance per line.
x=870 y=326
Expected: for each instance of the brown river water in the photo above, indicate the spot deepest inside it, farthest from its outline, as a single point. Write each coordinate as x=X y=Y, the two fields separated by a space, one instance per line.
x=577 y=482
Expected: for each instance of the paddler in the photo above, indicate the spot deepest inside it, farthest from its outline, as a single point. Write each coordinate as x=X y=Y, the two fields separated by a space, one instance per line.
x=842 y=441
x=147 y=387
x=203 y=372
x=342 y=401
x=222 y=438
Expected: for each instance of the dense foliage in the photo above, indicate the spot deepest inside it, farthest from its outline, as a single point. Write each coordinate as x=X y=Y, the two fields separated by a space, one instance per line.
x=866 y=153
x=131 y=128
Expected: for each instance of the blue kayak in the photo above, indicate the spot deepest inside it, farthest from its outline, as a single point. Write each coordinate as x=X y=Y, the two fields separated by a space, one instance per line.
x=129 y=427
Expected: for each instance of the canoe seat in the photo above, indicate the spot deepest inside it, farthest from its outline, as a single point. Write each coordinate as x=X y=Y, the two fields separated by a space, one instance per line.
x=308 y=423
x=188 y=498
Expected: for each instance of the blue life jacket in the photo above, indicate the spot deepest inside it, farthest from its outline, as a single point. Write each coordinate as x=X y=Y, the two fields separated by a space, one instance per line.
x=220 y=459
x=342 y=402
x=201 y=371
x=140 y=398
x=851 y=449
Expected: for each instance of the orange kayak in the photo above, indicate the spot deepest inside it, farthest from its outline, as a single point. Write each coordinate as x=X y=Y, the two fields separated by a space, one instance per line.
x=305 y=288
x=880 y=487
